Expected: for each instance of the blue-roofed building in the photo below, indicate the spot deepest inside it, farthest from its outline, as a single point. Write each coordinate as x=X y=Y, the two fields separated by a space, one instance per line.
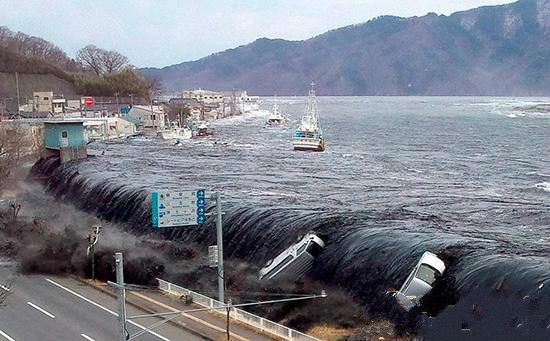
x=66 y=138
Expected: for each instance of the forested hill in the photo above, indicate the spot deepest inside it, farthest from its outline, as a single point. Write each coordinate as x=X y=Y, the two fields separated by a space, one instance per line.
x=493 y=50
x=45 y=67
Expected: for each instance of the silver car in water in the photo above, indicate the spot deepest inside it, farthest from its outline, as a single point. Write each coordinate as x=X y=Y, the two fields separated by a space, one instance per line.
x=421 y=280
x=294 y=261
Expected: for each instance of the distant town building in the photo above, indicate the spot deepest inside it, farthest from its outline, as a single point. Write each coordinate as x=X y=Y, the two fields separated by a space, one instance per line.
x=204 y=96
x=101 y=128
x=206 y=104
x=151 y=117
x=47 y=101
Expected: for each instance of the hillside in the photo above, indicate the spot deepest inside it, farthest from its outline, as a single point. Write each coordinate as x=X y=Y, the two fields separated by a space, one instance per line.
x=34 y=75
x=493 y=50
x=42 y=66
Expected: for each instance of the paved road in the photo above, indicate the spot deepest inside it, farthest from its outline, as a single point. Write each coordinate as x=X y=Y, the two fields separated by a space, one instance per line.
x=53 y=308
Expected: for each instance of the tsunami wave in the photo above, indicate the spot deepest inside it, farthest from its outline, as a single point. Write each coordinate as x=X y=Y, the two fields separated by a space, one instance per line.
x=488 y=292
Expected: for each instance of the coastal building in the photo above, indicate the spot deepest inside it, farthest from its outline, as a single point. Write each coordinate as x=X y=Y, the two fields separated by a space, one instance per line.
x=206 y=104
x=150 y=116
x=204 y=96
x=101 y=128
x=66 y=138
x=46 y=101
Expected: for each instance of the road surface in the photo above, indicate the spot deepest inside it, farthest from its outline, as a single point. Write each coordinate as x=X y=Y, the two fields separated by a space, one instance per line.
x=50 y=308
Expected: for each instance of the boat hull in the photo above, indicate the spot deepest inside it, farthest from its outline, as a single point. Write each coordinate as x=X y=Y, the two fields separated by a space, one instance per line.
x=172 y=135
x=309 y=144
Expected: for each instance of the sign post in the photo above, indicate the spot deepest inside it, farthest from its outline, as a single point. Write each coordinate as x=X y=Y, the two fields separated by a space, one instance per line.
x=185 y=208
x=172 y=209
x=88 y=101
x=219 y=229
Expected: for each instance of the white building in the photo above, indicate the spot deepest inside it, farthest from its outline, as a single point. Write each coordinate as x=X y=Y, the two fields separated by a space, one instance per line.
x=151 y=117
x=205 y=96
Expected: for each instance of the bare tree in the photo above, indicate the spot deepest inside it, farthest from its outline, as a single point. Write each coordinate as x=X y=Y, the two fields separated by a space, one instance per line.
x=15 y=143
x=91 y=58
x=113 y=61
x=31 y=46
x=154 y=85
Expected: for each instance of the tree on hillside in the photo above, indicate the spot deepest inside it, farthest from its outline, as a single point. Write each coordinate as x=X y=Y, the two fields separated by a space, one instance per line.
x=101 y=61
x=113 y=61
x=91 y=58
x=30 y=46
x=154 y=85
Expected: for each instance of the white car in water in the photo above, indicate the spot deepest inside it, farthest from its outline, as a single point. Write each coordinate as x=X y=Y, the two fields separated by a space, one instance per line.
x=421 y=280
x=294 y=261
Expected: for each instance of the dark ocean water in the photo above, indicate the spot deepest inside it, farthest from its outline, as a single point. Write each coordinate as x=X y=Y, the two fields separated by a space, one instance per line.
x=466 y=178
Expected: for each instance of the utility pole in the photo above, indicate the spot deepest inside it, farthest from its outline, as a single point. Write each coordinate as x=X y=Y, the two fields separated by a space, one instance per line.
x=227 y=320
x=117 y=105
x=219 y=234
x=121 y=296
x=17 y=89
x=92 y=241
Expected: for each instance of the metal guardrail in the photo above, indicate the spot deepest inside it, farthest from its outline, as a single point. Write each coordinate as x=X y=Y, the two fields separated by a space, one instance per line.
x=240 y=315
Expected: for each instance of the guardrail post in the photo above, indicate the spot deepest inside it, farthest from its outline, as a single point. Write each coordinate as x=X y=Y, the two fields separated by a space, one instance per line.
x=261 y=323
x=289 y=334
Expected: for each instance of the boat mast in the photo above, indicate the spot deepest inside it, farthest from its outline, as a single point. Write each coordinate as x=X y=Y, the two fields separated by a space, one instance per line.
x=311 y=110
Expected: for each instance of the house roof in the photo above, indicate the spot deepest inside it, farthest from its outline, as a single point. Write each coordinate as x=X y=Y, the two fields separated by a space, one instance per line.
x=184 y=101
x=31 y=114
x=79 y=121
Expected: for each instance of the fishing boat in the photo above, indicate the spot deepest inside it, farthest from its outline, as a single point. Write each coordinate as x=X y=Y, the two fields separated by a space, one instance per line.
x=203 y=129
x=309 y=135
x=276 y=118
x=175 y=132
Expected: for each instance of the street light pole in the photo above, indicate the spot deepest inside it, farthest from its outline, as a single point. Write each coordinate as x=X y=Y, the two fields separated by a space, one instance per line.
x=121 y=296
x=219 y=234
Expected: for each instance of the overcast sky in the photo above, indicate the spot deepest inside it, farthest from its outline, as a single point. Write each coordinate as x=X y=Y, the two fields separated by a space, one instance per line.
x=164 y=32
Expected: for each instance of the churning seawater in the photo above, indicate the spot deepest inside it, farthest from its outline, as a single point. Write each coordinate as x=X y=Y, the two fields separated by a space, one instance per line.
x=466 y=178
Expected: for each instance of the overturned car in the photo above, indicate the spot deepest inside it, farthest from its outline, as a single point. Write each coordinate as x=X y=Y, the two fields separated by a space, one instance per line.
x=295 y=261
x=420 y=281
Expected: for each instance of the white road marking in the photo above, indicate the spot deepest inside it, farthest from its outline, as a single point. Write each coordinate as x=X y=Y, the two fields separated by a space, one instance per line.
x=41 y=310
x=105 y=309
x=4 y=288
x=6 y=336
x=87 y=337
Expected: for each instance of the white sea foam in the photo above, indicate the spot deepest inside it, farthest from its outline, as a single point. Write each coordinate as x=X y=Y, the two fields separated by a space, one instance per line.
x=545 y=186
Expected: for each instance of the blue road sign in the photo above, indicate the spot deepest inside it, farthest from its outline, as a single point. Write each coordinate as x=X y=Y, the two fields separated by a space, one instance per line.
x=184 y=208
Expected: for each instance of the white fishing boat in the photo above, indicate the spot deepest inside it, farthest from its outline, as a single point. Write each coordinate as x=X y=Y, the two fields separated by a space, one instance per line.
x=175 y=132
x=203 y=129
x=309 y=135
x=276 y=118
